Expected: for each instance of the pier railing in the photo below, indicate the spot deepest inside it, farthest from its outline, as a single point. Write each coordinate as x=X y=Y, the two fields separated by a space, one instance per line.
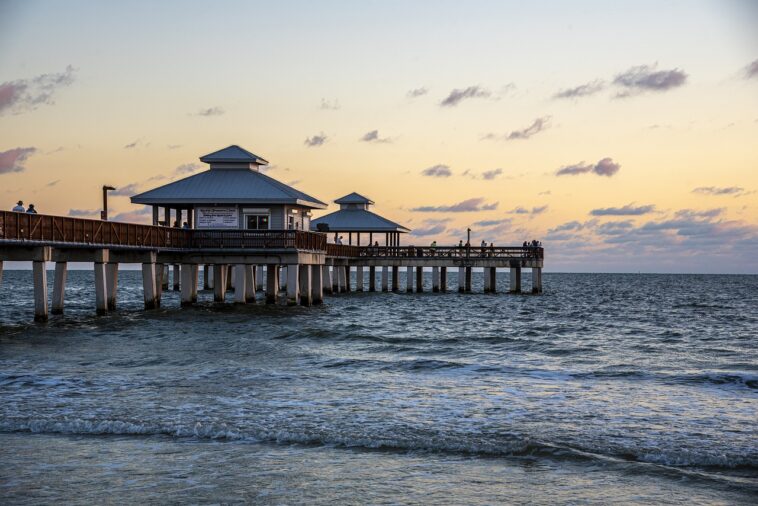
x=444 y=251
x=254 y=239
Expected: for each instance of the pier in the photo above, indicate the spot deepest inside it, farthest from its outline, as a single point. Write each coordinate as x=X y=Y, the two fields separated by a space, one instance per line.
x=254 y=237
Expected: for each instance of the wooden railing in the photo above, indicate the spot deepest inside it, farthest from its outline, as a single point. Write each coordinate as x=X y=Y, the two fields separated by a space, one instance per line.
x=343 y=250
x=445 y=251
x=63 y=229
x=253 y=239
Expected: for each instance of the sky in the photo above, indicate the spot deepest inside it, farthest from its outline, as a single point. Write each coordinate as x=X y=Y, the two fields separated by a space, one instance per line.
x=623 y=135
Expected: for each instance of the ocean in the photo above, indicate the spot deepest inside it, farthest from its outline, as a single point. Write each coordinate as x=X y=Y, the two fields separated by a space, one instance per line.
x=623 y=388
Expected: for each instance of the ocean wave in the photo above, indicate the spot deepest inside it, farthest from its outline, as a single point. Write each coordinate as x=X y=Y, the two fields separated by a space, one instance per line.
x=495 y=445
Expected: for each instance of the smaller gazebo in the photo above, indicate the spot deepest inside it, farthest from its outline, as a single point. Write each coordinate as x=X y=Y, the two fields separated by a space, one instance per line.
x=355 y=218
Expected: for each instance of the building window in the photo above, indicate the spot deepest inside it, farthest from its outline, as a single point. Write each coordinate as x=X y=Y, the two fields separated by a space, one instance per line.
x=257 y=221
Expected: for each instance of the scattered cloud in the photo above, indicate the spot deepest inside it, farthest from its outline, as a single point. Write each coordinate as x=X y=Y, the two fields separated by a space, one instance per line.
x=583 y=90
x=491 y=174
x=174 y=146
x=456 y=96
x=605 y=167
x=546 y=192
x=142 y=215
x=132 y=145
x=493 y=223
x=470 y=205
x=53 y=183
x=294 y=182
x=13 y=159
x=644 y=78
x=627 y=210
x=316 y=140
x=187 y=168
x=25 y=95
x=126 y=190
x=437 y=171
x=524 y=210
x=537 y=126
x=210 y=111
x=327 y=105
x=736 y=191
x=373 y=136
x=79 y=213
x=417 y=92
x=426 y=231
x=751 y=71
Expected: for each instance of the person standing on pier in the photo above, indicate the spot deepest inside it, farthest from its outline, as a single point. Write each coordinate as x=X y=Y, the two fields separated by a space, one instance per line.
x=19 y=207
x=31 y=209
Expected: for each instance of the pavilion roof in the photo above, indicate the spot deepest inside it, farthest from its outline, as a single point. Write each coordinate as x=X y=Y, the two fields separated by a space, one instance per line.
x=357 y=220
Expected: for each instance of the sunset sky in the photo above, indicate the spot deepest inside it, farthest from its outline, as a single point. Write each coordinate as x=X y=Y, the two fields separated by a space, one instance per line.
x=624 y=135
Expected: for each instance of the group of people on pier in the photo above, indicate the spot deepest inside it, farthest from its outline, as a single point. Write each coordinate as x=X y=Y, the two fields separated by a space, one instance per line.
x=19 y=208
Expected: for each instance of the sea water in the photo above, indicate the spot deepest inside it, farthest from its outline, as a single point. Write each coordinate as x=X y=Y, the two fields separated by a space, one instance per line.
x=606 y=388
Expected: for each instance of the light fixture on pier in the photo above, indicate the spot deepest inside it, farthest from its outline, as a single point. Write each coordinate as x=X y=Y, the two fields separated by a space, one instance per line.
x=104 y=212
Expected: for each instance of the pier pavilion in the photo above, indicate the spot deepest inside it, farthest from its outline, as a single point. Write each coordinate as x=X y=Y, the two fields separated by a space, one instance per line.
x=354 y=217
x=252 y=239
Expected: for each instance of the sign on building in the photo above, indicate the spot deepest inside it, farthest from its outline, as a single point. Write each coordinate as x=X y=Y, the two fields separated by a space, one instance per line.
x=217 y=217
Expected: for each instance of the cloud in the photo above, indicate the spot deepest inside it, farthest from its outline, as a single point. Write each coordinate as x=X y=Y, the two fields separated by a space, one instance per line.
x=751 y=71
x=537 y=126
x=644 y=78
x=614 y=227
x=53 y=183
x=330 y=106
x=316 y=140
x=27 y=94
x=437 y=171
x=491 y=174
x=432 y=230
x=583 y=90
x=174 y=146
x=493 y=223
x=126 y=190
x=78 y=213
x=532 y=211
x=456 y=96
x=210 y=111
x=627 y=210
x=605 y=167
x=417 y=92
x=13 y=159
x=715 y=190
x=187 y=168
x=132 y=145
x=373 y=136
x=470 y=205
x=142 y=215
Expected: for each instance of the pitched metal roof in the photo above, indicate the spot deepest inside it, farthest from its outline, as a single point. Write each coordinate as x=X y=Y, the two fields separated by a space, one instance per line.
x=357 y=220
x=354 y=198
x=233 y=154
x=227 y=186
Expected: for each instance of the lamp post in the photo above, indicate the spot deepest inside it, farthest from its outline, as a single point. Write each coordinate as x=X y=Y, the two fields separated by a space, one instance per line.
x=104 y=212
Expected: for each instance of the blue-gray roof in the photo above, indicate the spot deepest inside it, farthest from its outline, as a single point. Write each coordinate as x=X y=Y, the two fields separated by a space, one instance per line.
x=233 y=154
x=354 y=198
x=227 y=186
x=357 y=220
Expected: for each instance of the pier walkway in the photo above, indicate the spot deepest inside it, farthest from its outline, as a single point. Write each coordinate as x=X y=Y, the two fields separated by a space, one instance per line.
x=298 y=263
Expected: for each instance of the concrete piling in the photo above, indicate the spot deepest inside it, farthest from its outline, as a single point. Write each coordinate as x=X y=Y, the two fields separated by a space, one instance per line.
x=317 y=284
x=111 y=284
x=419 y=279
x=395 y=278
x=443 y=279
x=372 y=278
x=219 y=285
x=335 y=279
x=293 y=285
x=207 y=277
x=347 y=278
x=461 y=279
x=240 y=283
x=259 y=278
x=359 y=278
x=176 y=277
x=326 y=279
x=491 y=273
x=150 y=284
x=186 y=285
x=515 y=280
x=250 y=283
x=59 y=287
x=468 y=279
x=306 y=294
x=536 y=280
x=409 y=279
x=272 y=283
x=385 y=278
x=164 y=276
x=40 y=290
x=435 y=279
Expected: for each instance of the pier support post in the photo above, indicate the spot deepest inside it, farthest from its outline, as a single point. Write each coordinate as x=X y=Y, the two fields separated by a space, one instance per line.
x=468 y=279
x=272 y=283
x=536 y=280
x=385 y=278
x=317 y=284
x=515 y=282
x=40 y=290
x=461 y=279
x=326 y=279
x=395 y=278
x=347 y=278
x=372 y=278
x=306 y=295
x=335 y=279
x=240 y=283
x=176 y=277
x=150 y=285
x=186 y=285
x=164 y=276
x=359 y=278
x=101 y=288
x=343 y=281
x=435 y=279
x=284 y=278
x=59 y=287
x=249 y=283
x=492 y=276
x=293 y=286
x=419 y=279
x=219 y=282
x=409 y=279
x=259 y=278
x=443 y=279
x=229 y=277
x=207 y=277
x=111 y=283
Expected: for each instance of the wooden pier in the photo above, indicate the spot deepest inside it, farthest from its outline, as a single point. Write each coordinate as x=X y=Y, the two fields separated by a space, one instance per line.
x=301 y=264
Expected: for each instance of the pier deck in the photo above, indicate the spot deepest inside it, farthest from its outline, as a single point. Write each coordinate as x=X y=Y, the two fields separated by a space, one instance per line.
x=300 y=263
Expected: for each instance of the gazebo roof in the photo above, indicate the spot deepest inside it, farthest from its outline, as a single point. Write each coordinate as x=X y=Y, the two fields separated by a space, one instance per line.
x=357 y=220
x=354 y=198
x=233 y=154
